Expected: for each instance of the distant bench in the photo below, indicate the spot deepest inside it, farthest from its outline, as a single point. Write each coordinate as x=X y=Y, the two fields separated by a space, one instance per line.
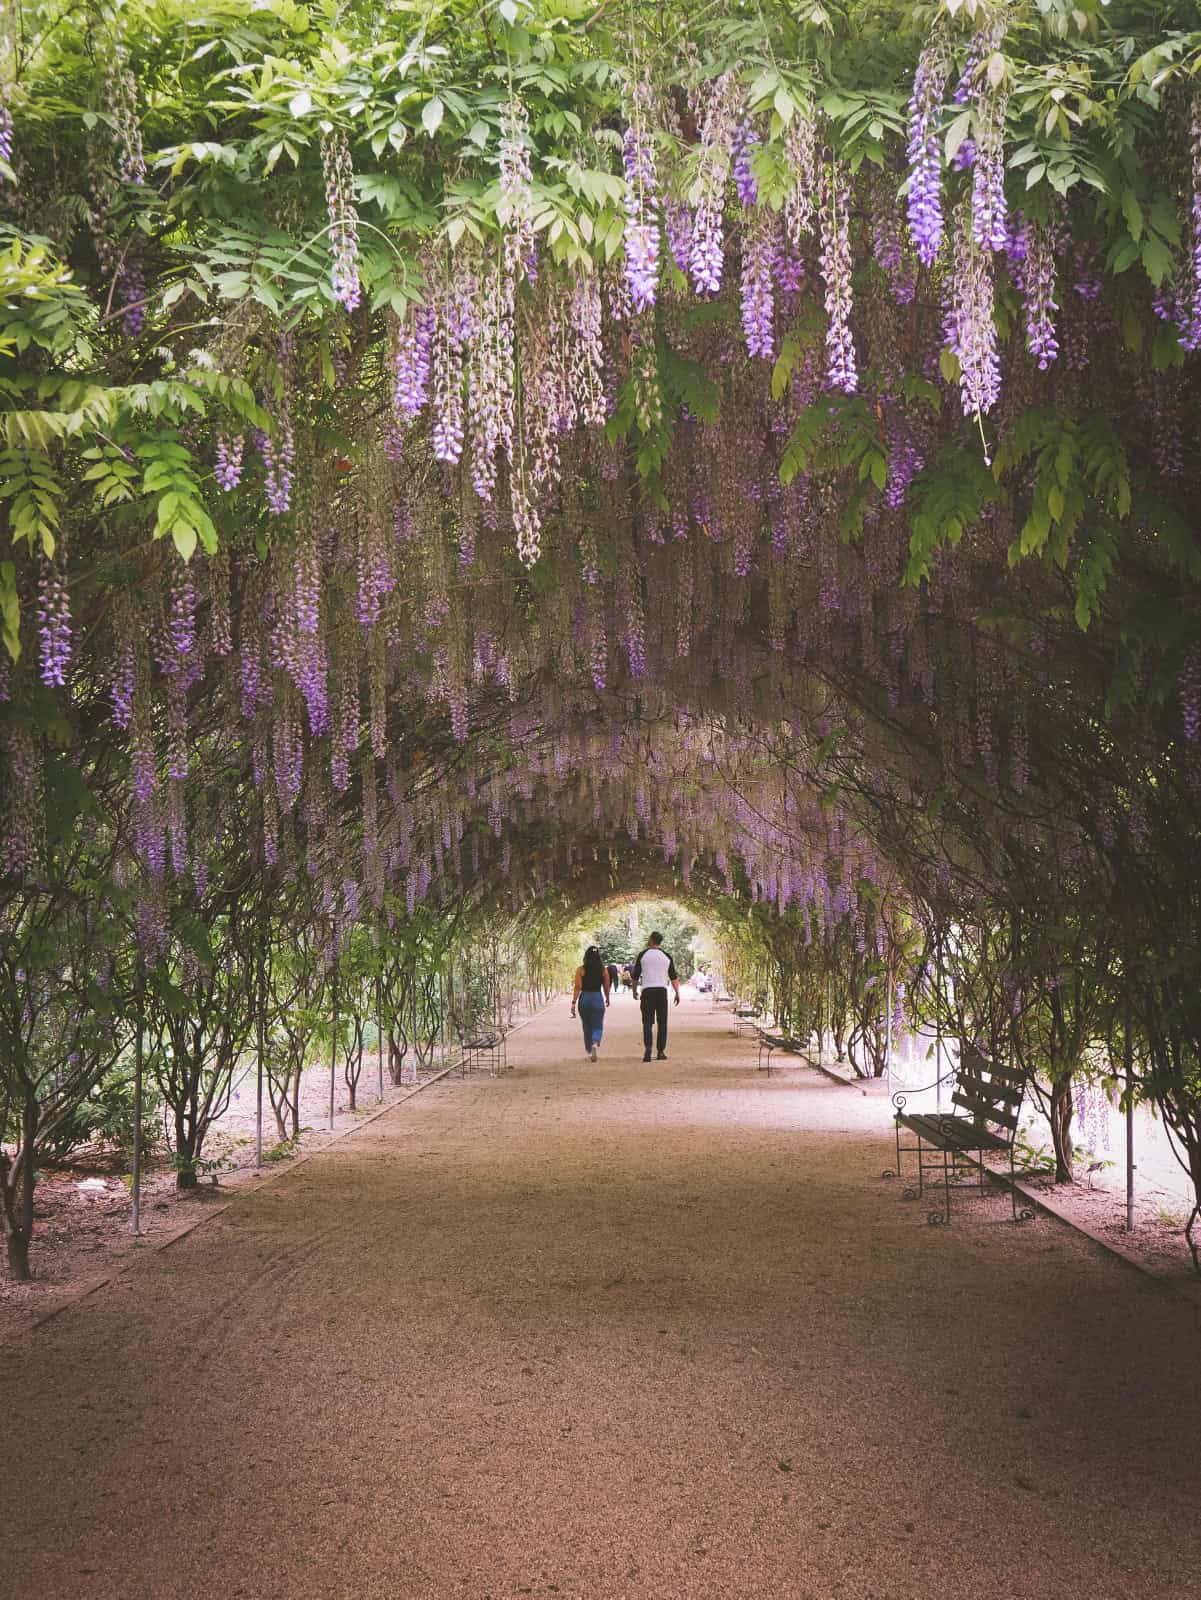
x=483 y=1046
x=989 y=1095
x=770 y=1042
x=747 y=1011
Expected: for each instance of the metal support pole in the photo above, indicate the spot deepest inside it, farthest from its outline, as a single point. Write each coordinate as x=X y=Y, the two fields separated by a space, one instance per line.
x=1129 y=1054
x=333 y=1057
x=888 y=1032
x=135 y=1187
x=379 y=1031
x=261 y=1043
x=938 y=1024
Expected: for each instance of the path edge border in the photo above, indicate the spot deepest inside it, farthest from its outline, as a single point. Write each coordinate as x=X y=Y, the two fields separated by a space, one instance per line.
x=263 y=1181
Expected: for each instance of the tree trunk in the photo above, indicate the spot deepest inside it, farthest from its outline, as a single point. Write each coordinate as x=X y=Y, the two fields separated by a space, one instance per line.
x=17 y=1181
x=17 y=1249
x=1059 y=1115
x=185 y=1152
x=396 y=1059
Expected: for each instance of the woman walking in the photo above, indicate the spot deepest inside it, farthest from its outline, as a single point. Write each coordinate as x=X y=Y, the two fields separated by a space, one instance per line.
x=591 y=996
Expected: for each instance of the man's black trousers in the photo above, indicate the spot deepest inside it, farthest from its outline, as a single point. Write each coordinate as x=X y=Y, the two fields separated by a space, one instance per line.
x=654 y=1010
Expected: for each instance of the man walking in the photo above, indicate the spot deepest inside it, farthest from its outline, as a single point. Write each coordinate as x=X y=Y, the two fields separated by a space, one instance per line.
x=653 y=971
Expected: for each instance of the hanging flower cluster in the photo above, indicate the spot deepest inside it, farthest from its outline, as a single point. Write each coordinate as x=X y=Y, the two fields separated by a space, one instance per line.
x=707 y=251
x=841 y=370
x=343 y=219
x=642 y=228
x=54 y=626
x=924 y=197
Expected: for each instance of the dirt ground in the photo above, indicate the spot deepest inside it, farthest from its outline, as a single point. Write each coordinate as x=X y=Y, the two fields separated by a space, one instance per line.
x=82 y=1213
x=604 y=1332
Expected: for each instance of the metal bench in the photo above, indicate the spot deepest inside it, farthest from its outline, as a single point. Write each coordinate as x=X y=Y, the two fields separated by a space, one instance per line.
x=950 y=1144
x=770 y=1042
x=484 y=1047
x=746 y=1011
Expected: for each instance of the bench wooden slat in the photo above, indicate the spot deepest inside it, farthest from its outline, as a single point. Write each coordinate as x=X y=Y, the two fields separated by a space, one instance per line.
x=972 y=1062
x=1006 y=1116
x=953 y=1133
x=985 y=1078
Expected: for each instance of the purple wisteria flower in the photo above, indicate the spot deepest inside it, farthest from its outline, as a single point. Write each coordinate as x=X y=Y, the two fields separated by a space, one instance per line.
x=758 y=292
x=343 y=220
x=54 y=627
x=1189 y=687
x=969 y=328
x=411 y=363
x=924 y=197
x=131 y=293
x=124 y=683
x=677 y=224
x=745 y=143
x=183 y=610
x=841 y=369
x=989 y=223
x=905 y=461
x=1190 y=321
x=6 y=135
x=641 y=229
x=706 y=255
x=278 y=455
x=1038 y=290
x=227 y=466
x=889 y=250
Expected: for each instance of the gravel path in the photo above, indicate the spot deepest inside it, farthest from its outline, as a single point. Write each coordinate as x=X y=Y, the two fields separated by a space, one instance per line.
x=602 y=1332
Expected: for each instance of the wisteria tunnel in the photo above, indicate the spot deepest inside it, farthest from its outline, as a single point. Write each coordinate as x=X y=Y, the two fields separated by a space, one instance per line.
x=482 y=482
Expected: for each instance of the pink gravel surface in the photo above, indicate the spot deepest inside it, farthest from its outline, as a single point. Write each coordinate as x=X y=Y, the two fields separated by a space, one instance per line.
x=608 y=1331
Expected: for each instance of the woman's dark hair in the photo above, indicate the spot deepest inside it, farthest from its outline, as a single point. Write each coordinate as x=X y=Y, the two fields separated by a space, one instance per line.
x=594 y=969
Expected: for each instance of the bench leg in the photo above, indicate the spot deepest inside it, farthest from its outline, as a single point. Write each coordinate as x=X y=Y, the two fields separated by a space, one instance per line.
x=936 y=1219
x=1023 y=1213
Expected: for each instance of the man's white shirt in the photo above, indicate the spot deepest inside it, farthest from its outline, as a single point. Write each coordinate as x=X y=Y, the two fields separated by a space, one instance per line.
x=656 y=965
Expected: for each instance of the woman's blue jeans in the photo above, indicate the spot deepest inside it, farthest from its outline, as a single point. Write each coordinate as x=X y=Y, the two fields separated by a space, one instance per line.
x=591 y=1007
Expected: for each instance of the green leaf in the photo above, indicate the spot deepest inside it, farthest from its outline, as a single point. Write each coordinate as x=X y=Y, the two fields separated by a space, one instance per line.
x=431 y=115
x=1133 y=212
x=185 y=539
x=301 y=104
x=957 y=133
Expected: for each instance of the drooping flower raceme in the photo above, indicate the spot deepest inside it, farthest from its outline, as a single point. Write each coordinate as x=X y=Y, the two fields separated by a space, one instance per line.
x=925 y=153
x=758 y=295
x=54 y=627
x=1190 y=322
x=745 y=143
x=278 y=455
x=6 y=135
x=991 y=97
x=227 y=466
x=708 y=240
x=969 y=329
x=677 y=224
x=800 y=157
x=411 y=363
x=516 y=187
x=1038 y=290
x=1189 y=685
x=641 y=229
x=343 y=220
x=841 y=370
